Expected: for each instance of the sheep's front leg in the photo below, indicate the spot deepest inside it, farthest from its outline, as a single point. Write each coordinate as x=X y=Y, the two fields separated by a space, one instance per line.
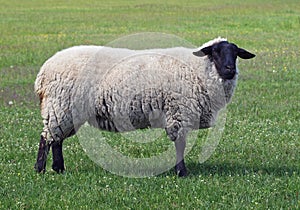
x=40 y=165
x=58 y=160
x=177 y=134
x=180 y=168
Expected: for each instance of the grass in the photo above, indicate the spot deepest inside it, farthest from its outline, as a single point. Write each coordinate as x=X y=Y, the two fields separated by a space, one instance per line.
x=255 y=166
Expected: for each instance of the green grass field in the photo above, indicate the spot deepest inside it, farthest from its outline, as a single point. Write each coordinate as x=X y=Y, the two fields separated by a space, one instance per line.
x=255 y=166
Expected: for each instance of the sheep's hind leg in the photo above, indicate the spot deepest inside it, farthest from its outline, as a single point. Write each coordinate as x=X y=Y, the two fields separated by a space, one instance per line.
x=58 y=160
x=57 y=151
x=40 y=165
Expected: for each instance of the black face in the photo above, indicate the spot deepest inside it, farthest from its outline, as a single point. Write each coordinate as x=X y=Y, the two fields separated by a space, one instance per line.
x=224 y=56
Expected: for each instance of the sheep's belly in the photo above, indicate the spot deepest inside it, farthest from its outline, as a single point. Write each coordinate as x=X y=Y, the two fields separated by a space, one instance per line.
x=134 y=119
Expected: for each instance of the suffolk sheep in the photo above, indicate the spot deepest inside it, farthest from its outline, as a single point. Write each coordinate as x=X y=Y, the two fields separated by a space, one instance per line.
x=177 y=89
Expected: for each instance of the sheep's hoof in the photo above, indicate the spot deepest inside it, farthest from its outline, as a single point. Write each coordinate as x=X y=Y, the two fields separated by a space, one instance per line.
x=40 y=167
x=180 y=169
x=182 y=173
x=58 y=168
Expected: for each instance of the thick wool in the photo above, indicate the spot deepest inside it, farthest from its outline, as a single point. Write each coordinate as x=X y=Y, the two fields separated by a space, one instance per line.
x=120 y=90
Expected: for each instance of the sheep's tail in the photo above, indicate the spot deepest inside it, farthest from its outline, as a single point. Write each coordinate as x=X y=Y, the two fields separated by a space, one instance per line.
x=38 y=86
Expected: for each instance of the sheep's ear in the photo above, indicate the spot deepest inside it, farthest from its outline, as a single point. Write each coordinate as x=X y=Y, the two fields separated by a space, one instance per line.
x=245 y=54
x=203 y=52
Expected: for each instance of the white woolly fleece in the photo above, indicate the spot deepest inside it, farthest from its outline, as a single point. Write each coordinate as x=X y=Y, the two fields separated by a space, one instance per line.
x=187 y=88
x=212 y=42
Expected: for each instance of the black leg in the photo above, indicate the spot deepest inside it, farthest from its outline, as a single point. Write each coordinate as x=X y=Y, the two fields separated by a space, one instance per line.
x=177 y=134
x=180 y=168
x=40 y=165
x=58 y=160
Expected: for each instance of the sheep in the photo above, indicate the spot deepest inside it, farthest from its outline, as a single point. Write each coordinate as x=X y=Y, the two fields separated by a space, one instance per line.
x=177 y=89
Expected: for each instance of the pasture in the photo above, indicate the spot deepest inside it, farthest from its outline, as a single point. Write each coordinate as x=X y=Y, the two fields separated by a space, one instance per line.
x=257 y=162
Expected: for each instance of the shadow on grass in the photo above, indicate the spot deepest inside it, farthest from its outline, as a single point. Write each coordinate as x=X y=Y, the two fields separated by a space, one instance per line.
x=207 y=168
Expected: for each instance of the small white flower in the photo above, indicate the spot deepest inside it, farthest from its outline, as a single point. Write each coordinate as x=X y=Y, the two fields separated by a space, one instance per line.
x=10 y=103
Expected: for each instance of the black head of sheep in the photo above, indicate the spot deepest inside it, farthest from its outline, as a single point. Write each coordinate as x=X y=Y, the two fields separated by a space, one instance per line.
x=224 y=55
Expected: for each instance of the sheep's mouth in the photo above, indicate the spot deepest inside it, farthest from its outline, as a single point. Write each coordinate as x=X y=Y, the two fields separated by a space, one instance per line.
x=228 y=75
